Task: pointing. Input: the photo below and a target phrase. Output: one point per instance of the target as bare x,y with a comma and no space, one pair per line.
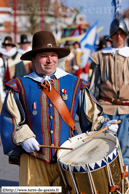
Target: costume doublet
31,106
110,85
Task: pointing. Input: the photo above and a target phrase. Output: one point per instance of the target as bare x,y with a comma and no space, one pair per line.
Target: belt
115,101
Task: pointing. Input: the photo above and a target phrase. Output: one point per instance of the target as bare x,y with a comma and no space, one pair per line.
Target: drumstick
56,147
100,131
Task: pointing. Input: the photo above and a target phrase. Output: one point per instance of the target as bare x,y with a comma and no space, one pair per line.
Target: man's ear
110,38
32,59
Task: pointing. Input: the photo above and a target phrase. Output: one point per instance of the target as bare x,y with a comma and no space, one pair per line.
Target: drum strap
60,105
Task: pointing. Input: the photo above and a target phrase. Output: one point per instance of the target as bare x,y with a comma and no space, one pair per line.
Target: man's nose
49,58
118,35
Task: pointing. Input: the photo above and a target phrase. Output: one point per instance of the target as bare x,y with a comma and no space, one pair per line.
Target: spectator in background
69,58
12,66
77,60
24,46
110,81
102,44
2,92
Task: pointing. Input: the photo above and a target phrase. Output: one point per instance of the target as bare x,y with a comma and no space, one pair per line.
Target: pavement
9,173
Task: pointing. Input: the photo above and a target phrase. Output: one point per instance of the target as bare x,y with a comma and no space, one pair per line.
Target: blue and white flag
88,43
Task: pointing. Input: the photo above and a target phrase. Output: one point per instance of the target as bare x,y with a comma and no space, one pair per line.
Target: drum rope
110,175
121,166
111,182
121,162
66,186
93,189
108,170
73,181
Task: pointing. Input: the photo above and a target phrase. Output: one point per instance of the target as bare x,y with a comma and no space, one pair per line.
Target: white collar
58,74
8,53
78,50
122,51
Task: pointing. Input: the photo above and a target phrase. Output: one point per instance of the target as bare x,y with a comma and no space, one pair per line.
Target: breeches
34,172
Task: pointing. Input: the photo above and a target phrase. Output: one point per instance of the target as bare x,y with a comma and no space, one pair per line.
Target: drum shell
100,178
100,174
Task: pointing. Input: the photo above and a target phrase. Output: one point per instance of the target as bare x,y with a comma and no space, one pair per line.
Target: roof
4,3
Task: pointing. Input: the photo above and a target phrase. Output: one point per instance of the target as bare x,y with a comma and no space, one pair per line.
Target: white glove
112,128
31,144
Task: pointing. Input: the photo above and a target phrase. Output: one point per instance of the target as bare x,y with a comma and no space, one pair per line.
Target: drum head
92,151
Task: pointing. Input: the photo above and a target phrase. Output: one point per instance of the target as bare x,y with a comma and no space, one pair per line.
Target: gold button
51,131
50,105
52,144
53,159
51,117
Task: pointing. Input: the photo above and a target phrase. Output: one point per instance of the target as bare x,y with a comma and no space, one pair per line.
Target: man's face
45,63
76,46
8,47
118,39
24,46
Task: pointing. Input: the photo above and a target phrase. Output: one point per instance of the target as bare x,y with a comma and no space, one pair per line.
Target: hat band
45,46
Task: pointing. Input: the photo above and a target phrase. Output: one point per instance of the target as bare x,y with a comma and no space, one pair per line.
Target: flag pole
15,22
41,15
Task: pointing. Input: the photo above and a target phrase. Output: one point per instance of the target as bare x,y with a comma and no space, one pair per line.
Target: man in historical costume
32,116
14,67
24,46
69,58
110,81
77,58
2,92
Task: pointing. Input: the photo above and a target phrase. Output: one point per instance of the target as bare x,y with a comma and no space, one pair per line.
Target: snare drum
94,166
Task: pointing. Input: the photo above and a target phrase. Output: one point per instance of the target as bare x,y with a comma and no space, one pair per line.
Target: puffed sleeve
91,116
13,127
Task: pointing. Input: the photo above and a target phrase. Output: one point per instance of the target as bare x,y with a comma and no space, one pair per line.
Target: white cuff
22,133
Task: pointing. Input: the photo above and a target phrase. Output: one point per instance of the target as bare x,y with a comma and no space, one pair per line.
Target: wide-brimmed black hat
44,41
24,39
8,41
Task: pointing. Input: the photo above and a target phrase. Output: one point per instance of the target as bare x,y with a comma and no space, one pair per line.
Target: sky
97,10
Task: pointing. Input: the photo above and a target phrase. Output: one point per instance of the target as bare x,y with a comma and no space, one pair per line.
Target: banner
88,42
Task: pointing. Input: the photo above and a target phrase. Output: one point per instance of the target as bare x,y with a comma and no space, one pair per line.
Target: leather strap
59,104
115,101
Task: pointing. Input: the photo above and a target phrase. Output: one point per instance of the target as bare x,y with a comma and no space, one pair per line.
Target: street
9,174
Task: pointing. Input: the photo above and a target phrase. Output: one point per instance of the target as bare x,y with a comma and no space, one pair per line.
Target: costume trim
73,101
74,96
14,128
12,84
45,125
84,84
94,99
57,122
19,83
